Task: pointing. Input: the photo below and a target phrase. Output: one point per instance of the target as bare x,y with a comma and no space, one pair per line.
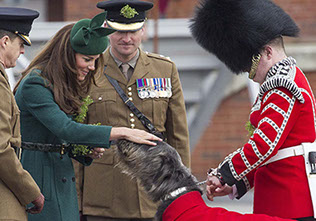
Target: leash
201,183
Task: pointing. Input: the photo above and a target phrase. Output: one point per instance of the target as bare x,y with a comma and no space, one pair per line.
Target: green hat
88,37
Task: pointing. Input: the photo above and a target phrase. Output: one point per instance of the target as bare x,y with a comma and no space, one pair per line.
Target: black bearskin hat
235,30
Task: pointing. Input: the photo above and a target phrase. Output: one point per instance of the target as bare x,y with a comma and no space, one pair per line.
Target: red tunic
284,116
191,207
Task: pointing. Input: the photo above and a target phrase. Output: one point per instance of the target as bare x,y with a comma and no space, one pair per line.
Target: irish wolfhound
159,170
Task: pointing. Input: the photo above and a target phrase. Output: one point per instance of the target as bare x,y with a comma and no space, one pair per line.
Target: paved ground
244,205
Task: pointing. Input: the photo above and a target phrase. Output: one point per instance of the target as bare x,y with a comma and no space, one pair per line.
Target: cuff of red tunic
226,174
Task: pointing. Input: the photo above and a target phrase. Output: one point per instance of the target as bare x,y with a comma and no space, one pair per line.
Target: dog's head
158,168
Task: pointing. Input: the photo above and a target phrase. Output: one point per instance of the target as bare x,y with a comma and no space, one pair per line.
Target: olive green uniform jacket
42,121
17,188
106,191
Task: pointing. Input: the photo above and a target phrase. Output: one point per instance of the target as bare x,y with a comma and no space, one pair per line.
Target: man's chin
11,66
127,52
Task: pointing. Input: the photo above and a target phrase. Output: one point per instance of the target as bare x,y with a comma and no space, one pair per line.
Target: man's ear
143,30
4,41
268,51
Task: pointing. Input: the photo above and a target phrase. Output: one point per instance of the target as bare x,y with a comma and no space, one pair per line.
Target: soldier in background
17,187
152,83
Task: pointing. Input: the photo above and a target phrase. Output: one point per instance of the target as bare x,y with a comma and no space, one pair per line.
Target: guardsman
152,83
247,35
17,187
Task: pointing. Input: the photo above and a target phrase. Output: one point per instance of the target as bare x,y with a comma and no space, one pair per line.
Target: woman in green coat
50,96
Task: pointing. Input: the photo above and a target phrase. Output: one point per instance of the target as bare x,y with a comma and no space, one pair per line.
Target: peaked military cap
125,15
236,30
88,37
18,21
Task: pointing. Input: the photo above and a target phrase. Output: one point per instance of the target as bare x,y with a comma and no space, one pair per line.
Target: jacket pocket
103,108
155,109
99,182
160,108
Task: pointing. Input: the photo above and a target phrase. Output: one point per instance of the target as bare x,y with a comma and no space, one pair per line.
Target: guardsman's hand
212,184
38,205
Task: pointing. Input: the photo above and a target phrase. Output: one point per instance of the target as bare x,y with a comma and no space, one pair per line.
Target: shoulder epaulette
159,56
282,74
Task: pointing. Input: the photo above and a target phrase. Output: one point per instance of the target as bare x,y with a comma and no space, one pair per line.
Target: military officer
17,187
152,83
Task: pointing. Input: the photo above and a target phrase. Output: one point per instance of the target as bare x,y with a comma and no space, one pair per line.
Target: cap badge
128,12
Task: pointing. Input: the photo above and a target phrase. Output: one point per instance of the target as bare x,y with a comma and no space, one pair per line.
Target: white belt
303,149
285,153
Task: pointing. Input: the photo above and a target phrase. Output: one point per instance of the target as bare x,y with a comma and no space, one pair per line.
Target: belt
285,153
61,148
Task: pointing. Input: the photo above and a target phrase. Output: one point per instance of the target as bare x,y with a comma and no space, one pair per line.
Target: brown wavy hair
58,66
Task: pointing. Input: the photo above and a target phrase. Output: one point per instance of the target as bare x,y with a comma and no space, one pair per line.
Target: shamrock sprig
250,128
128,12
83,109
79,149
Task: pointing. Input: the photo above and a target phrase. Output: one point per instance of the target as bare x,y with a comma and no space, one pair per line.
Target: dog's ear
166,167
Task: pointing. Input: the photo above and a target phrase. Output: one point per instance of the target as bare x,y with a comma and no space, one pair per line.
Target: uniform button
130,93
131,99
131,115
64,180
100,98
132,120
73,179
129,89
132,125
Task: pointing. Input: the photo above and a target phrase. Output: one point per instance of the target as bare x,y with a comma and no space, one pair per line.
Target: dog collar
174,193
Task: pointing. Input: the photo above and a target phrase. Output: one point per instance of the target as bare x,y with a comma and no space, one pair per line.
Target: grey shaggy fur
159,169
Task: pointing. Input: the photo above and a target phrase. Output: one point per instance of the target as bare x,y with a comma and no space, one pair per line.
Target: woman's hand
97,153
134,135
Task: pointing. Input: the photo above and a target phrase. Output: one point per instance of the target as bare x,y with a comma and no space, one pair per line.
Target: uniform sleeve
176,124
40,102
12,174
280,111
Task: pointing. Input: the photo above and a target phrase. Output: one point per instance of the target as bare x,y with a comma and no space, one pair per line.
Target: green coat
42,121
